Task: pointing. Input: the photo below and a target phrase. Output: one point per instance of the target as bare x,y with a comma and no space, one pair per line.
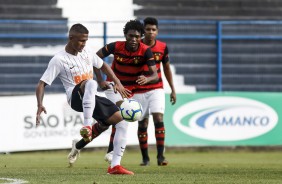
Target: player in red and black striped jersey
130,59
151,95
156,99
129,63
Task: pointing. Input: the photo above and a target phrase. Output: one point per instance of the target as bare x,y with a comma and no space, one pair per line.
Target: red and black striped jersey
128,65
160,52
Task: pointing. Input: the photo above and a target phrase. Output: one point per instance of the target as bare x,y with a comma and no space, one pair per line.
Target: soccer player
74,66
156,101
130,58
152,98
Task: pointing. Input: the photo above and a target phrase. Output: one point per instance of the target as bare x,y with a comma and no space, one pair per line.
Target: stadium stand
247,64
30,9
210,9
20,74
18,18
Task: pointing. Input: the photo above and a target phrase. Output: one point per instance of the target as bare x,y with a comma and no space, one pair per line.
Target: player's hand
142,80
40,109
104,85
173,98
125,93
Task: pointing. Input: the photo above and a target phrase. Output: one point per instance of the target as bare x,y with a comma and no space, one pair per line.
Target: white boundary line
13,181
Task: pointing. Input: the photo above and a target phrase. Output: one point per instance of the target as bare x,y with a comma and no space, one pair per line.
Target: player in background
153,99
130,58
157,98
74,66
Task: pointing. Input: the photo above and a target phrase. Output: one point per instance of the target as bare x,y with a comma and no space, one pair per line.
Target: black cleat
145,163
162,161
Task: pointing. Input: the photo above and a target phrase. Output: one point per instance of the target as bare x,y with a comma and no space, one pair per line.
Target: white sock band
88,101
119,142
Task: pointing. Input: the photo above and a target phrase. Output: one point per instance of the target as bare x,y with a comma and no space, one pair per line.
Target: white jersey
71,69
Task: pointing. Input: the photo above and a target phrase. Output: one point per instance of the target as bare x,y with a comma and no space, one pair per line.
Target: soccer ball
131,110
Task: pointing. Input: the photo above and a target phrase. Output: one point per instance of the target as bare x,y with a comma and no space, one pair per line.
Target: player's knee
122,125
91,85
102,126
157,117
115,118
144,123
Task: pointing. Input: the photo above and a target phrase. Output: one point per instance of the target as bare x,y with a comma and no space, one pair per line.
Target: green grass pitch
185,166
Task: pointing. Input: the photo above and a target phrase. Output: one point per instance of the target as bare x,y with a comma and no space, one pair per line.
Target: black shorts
104,108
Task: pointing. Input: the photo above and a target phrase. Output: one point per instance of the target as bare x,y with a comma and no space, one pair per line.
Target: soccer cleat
145,163
86,133
162,161
109,157
118,169
74,154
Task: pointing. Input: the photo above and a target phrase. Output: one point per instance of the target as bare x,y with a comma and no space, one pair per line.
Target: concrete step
27,42
28,2
30,10
252,59
207,58
197,79
34,28
207,11
24,60
24,69
252,87
46,16
191,48
209,17
235,68
210,3
27,88
259,79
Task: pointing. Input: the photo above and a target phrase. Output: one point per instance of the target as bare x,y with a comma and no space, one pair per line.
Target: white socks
119,142
88,101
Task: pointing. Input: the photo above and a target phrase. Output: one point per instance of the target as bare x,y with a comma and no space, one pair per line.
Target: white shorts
152,102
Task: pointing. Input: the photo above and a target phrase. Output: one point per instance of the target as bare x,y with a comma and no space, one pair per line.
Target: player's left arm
153,78
168,76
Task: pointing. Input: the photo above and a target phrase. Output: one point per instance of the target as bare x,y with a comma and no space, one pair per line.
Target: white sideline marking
13,181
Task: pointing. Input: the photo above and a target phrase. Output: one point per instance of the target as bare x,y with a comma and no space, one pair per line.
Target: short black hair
151,21
134,25
78,28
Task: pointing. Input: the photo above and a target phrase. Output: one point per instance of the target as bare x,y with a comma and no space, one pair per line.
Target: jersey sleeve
150,61
97,61
108,49
52,71
166,56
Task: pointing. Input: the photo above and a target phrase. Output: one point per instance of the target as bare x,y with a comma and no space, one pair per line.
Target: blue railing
219,37
105,34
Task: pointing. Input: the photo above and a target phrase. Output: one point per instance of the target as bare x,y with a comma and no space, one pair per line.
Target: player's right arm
153,77
47,78
39,95
102,53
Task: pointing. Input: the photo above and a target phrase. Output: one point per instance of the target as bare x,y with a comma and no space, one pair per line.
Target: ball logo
225,118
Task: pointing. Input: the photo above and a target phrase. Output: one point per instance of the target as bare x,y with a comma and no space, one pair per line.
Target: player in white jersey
127,50
74,66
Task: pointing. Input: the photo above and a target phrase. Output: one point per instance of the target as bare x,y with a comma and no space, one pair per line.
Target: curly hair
134,25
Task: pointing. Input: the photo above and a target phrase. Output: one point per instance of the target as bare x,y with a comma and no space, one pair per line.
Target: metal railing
106,32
